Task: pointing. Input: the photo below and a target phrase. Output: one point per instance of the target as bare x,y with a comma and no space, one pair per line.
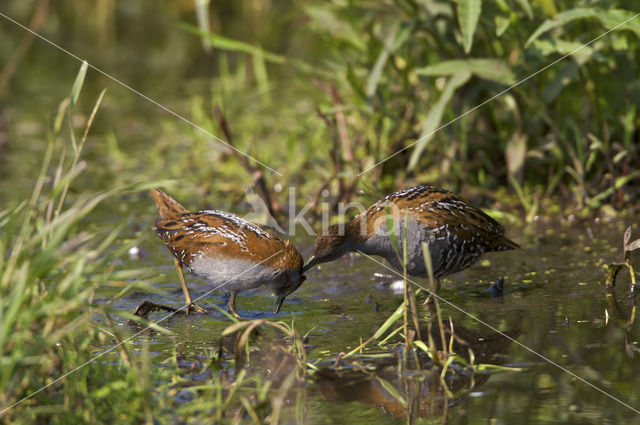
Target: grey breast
381,243
449,253
233,274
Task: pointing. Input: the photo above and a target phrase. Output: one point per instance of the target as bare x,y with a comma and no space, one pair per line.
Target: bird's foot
234,313
193,308
430,299
231,305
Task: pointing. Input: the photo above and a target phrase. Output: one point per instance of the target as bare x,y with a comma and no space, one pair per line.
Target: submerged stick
145,308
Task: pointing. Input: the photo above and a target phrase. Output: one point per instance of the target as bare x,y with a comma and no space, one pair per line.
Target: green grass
322,101
322,95
57,364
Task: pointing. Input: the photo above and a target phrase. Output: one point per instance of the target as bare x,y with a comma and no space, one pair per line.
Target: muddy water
571,363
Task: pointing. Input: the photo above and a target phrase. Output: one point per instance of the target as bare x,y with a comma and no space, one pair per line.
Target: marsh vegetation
455,94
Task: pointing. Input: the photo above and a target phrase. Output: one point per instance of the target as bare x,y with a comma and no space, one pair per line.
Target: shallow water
554,302
572,361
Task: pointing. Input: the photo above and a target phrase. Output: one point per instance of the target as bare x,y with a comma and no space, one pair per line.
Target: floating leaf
435,115
488,69
468,15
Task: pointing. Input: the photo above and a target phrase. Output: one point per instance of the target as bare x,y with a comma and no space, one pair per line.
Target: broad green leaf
564,76
524,4
488,69
435,115
468,15
402,36
610,19
559,20
614,17
336,26
578,51
393,41
502,24
548,7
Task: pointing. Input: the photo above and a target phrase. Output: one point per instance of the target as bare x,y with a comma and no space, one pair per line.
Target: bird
456,233
223,249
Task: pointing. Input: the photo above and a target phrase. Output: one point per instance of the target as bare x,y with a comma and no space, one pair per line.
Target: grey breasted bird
224,249
456,232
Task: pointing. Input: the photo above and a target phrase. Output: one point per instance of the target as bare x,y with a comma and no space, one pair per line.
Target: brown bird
457,233
224,249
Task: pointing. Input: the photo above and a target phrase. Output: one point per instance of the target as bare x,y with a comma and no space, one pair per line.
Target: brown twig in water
145,308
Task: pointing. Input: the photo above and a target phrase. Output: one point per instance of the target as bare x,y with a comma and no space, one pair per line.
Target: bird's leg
432,294
231,305
187,297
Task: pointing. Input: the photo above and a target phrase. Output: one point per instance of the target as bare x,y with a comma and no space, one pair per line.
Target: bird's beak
278,304
312,262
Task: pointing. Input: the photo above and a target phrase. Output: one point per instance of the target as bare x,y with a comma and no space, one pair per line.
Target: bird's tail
169,208
502,244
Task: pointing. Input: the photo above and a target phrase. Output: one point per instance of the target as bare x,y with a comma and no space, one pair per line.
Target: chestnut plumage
456,232
226,250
